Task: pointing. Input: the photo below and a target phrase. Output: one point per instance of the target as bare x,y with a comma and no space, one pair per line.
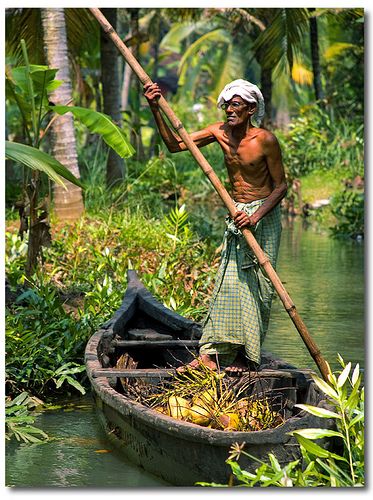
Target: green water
80,455
325,279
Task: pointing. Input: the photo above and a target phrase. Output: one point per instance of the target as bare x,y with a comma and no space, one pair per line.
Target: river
324,277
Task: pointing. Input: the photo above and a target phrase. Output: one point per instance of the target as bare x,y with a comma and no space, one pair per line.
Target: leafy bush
348,208
316,140
40,336
18,419
82,283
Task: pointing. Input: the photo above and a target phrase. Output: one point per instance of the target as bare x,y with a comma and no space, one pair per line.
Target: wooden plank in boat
155,343
169,372
147,334
136,373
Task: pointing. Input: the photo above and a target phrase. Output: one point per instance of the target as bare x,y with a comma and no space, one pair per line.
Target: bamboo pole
223,193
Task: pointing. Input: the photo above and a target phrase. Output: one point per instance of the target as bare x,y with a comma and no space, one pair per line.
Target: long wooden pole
224,195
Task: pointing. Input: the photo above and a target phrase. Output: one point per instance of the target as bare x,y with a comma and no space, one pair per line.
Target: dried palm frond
212,399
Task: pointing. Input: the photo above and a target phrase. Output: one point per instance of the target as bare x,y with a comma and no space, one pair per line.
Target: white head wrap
248,91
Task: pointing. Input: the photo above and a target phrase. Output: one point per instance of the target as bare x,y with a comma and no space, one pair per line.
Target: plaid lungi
240,306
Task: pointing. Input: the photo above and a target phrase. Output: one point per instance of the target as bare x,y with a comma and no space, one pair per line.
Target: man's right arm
173,142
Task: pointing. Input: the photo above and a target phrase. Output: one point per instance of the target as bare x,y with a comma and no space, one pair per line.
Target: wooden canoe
181,453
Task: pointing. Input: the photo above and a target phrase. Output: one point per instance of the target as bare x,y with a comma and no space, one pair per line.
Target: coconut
205,399
199,415
229,421
242,407
178,407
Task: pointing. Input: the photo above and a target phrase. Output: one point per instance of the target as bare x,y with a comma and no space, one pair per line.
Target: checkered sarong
239,311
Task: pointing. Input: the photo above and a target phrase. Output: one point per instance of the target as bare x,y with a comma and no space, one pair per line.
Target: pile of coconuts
205,397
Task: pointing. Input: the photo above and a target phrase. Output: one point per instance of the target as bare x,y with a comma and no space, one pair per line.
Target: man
237,320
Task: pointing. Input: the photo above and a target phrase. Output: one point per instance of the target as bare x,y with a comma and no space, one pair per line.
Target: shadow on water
325,279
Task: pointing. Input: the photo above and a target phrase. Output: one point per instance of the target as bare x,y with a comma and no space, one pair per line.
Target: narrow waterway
79,455
325,279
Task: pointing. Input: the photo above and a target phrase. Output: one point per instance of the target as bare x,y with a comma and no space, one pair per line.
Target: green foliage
178,32
18,419
282,37
346,468
343,64
177,226
342,467
212,54
325,153
49,324
182,279
40,336
38,160
28,87
316,141
348,208
99,123
152,184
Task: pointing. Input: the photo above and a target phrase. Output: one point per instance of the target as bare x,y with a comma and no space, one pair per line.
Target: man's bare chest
244,156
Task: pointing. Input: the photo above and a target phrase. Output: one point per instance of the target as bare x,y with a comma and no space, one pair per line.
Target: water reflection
79,456
325,279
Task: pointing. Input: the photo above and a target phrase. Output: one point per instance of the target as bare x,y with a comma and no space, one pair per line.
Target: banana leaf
38,160
178,32
215,52
43,79
99,123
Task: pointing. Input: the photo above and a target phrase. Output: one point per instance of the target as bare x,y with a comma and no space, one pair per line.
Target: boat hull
182,453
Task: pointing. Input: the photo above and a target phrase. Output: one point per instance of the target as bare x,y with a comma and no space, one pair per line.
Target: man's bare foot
204,359
238,366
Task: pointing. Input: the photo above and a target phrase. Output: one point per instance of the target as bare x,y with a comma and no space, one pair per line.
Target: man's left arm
272,152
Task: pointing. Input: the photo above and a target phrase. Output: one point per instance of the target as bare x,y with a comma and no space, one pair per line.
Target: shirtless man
237,323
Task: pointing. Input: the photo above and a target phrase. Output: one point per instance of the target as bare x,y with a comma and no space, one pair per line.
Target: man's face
238,111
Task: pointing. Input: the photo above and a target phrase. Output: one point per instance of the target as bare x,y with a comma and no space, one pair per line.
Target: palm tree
111,95
26,23
315,56
68,204
277,45
342,54
209,56
30,90
136,140
231,41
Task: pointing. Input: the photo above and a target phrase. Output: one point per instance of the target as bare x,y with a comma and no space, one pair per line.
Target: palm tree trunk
127,72
68,204
135,101
266,89
157,41
314,40
111,95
